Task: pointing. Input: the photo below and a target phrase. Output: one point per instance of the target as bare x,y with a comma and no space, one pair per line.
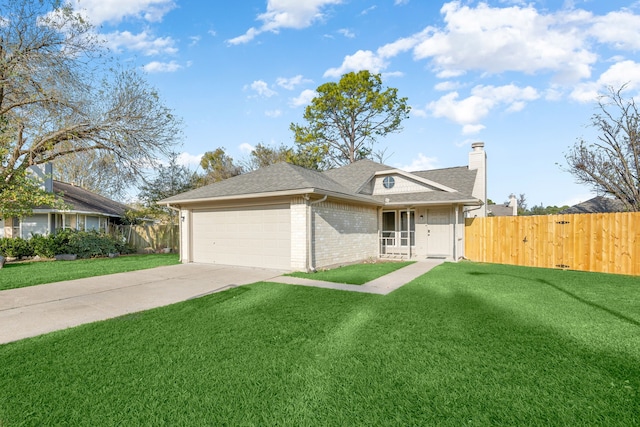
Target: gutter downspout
310,267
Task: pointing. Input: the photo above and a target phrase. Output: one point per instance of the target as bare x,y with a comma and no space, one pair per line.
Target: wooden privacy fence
608,243
153,238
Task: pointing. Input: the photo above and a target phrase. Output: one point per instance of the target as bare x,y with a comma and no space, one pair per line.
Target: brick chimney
478,161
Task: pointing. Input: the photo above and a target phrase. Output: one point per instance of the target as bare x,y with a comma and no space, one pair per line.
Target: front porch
421,232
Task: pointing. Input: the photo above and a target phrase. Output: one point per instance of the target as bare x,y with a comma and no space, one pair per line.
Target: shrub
16,247
85,244
43,246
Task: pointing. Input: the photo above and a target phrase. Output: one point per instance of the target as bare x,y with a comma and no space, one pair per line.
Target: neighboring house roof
598,204
81,200
353,181
500,210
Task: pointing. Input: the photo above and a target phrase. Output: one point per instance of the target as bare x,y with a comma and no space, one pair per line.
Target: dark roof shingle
83,200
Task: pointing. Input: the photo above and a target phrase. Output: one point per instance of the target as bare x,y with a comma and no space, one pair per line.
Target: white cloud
400,2
347,33
622,73
471,129
304,98
417,112
142,42
361,60
286,14
262,89
447,86
99,11
194,40
376,61
499,39
291,83
620,29
162,67
273,113
421,162
246,148
483,99
186,159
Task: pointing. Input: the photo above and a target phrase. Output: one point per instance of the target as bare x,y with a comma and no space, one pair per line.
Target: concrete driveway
35,310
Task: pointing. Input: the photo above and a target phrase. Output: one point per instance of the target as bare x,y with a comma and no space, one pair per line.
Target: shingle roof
459,178
598,204
83,200
500,210
349,181
274,178
354,175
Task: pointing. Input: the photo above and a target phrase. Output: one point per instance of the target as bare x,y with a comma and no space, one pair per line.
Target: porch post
455,236
409,229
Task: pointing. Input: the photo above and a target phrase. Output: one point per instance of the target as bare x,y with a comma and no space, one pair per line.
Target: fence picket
608,243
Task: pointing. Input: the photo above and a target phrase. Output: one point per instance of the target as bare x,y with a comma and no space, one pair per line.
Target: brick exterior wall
343,233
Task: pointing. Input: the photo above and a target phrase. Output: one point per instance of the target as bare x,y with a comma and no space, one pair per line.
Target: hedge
85,244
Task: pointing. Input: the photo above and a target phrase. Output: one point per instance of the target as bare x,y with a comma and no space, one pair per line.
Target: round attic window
388,182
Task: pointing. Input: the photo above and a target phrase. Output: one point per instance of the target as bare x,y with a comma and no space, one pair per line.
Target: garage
258,236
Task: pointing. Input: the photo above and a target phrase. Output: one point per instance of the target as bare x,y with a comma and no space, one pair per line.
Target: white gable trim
416,178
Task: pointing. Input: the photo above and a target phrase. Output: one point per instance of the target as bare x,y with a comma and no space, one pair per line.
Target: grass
465,344
355,274
19,275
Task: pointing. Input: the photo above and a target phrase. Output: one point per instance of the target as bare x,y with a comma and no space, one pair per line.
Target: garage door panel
257,236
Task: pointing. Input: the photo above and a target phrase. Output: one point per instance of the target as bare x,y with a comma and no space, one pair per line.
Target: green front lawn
19,275
355,274
465,344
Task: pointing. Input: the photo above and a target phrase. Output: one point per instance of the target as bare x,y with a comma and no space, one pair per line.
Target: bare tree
62,94
611,164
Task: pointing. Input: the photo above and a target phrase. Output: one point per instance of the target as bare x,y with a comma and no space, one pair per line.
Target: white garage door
253,237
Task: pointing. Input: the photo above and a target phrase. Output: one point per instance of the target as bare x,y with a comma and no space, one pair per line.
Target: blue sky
522,76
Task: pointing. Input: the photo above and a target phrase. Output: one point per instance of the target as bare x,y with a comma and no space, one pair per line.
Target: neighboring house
598,204
86,211
287,217
507,209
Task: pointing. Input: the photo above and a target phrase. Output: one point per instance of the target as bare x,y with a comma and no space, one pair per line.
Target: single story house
506,209
288,217
86,211
598,204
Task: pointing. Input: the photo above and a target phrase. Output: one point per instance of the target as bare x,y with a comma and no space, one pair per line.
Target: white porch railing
397,243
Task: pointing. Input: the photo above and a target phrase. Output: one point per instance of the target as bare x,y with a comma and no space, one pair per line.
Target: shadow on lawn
578,298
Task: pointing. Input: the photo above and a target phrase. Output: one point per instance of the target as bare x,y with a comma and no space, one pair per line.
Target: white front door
439,232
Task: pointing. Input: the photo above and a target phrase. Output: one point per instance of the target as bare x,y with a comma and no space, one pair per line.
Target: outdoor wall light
182,218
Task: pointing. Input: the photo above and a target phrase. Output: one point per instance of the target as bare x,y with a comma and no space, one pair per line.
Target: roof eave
466,202
284,193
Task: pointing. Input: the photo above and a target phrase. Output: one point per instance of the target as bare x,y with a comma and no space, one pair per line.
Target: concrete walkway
35,310
382,285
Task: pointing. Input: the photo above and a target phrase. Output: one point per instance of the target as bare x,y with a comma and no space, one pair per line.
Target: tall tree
218,165
346,119
263,155
61,93
611,163
168,181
